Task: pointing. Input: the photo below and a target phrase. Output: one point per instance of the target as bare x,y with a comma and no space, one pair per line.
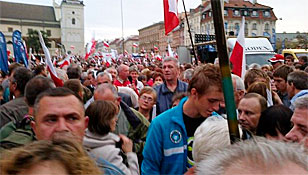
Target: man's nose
291,135
62,125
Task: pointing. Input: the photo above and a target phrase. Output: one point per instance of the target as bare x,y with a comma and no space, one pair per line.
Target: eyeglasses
149,99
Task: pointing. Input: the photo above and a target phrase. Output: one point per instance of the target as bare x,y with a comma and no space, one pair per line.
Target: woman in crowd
262,89
158,78
147,100
101,142
275,122
61,157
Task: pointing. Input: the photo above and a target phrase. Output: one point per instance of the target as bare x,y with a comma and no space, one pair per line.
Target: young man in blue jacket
170,136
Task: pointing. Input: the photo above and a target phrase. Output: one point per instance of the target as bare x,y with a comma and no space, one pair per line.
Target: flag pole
122,27
225,70
190,36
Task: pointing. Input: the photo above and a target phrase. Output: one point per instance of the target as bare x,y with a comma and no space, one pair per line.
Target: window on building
237,27
73,12
266,14
245,13
74,21
254,26
48,32
236,13
254,13
210,14
246,28
226,12
10,29
266,28
30,30
203,15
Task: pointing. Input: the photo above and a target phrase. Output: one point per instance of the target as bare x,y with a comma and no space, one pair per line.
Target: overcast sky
103,17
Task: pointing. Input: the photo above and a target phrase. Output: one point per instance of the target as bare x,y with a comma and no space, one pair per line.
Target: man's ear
193,92
86,122
33,126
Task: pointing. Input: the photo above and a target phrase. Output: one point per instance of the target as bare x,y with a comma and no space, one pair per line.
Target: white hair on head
239,82
258,152
301,102
213,133
101,74
177,63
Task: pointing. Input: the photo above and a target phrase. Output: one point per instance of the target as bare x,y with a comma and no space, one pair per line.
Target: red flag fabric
170,15
237,57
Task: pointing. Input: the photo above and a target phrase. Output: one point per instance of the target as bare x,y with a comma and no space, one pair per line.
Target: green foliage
34,42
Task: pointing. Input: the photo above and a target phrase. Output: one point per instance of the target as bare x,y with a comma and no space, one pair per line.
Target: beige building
63,23
260,19
150,36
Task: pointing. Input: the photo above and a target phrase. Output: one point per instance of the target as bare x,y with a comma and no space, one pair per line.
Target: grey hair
301,102
177,63
102,89
107,70
239,82
299,79
213,133
188,74
101,74
254,66
262,153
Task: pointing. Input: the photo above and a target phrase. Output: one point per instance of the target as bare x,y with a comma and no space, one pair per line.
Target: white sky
103,17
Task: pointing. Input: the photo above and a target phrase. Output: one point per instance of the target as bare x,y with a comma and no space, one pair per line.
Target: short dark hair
21,76
283,71
73,85
73,71
55,92
100,114
251,76
299,79
304,58
275,118
38,69
205,76
35,86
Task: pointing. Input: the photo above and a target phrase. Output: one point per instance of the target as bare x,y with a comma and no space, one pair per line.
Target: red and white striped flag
106,44
155,48
237,57
65,62
58,82
170,15
135,45
91,49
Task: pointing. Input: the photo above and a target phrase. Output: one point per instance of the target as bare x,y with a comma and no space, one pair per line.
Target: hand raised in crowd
127,144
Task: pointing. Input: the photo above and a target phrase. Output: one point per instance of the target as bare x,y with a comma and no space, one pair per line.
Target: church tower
72,26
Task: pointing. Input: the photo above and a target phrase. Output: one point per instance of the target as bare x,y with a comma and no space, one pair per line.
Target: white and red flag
91,49
58,82
65,62
237,57
155,48
135,45
170,53
170,15
106,44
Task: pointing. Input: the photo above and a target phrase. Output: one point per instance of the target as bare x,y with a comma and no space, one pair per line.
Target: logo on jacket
175,136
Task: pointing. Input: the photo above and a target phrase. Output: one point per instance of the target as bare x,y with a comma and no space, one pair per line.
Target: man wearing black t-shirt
170,136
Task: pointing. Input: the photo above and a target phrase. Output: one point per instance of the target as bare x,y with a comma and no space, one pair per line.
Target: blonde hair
67,152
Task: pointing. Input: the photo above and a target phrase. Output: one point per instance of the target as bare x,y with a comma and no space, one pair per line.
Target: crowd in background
153,117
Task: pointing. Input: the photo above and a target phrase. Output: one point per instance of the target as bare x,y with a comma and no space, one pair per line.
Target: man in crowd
297,86
60,113
16,109
123,73
299,132
170,134
249,111
113,73
277,61
165,91
280,79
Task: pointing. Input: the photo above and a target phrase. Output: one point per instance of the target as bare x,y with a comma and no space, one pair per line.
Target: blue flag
19,48
3,55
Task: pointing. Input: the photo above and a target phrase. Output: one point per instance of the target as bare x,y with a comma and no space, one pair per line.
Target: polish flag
135,45
65,62
155,48
91,49
58,82
170,53
237,57
171,15
106,44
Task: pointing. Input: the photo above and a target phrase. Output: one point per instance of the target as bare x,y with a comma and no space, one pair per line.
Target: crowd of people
153,117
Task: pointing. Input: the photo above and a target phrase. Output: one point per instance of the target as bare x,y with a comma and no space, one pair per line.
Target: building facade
63,23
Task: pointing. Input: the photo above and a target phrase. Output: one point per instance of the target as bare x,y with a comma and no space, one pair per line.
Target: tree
34,43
